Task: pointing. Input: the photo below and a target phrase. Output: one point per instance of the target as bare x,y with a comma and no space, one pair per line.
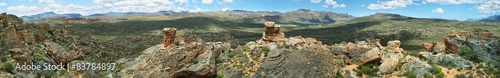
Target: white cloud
102,6
393,4
197,9
333,4
224,9
454,1
207,1
438,10
227,1
489,7
315,1
47,1
23,8
3,4
182,1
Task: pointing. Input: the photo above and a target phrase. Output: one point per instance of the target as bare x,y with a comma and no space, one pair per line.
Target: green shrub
410,74
218,60
339,75
4,53
231,53
265,49
440,75
195,61
38,56
47,73
368,69
427,75
62,72
399,65
247,46
466,53
459,69
104,73
8,67
435,69
365,70
218,75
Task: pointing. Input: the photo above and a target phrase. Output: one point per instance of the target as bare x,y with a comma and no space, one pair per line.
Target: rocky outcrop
304,58
414,64
60,54
185,58
272,32
449,60
434,47
359,53
480,41
454,40
389,62
168,36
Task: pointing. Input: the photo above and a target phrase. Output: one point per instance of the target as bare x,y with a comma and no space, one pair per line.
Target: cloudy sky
446,9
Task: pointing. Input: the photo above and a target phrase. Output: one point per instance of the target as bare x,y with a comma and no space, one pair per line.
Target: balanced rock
272,32
168,36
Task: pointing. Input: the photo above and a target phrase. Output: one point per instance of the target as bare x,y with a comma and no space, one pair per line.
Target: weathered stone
272,32
434,47
480,41
168,36
428,47
350,46
389,62
414,64
449,60
393,46
453,40
60,54
39,38
15,53
481,34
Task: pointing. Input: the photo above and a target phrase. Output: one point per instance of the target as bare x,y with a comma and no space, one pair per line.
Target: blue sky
446,9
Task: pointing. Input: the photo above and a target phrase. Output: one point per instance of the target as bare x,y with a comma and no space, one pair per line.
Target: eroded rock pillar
168,36
272,32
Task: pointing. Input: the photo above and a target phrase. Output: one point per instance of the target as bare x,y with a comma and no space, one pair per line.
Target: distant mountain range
51,15
494,18
297,16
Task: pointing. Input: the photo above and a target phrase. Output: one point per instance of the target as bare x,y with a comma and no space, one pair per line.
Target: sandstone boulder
272,32
389,62
393,46
168,36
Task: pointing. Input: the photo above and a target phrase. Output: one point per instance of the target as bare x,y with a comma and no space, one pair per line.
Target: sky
445,9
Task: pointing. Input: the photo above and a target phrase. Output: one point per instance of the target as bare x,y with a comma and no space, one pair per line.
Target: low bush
410,74
466,53
195,61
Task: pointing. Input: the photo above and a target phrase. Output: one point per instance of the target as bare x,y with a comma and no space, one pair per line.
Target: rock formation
434,47
168,36
272,32
454,40
393,46
191,57
480,41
